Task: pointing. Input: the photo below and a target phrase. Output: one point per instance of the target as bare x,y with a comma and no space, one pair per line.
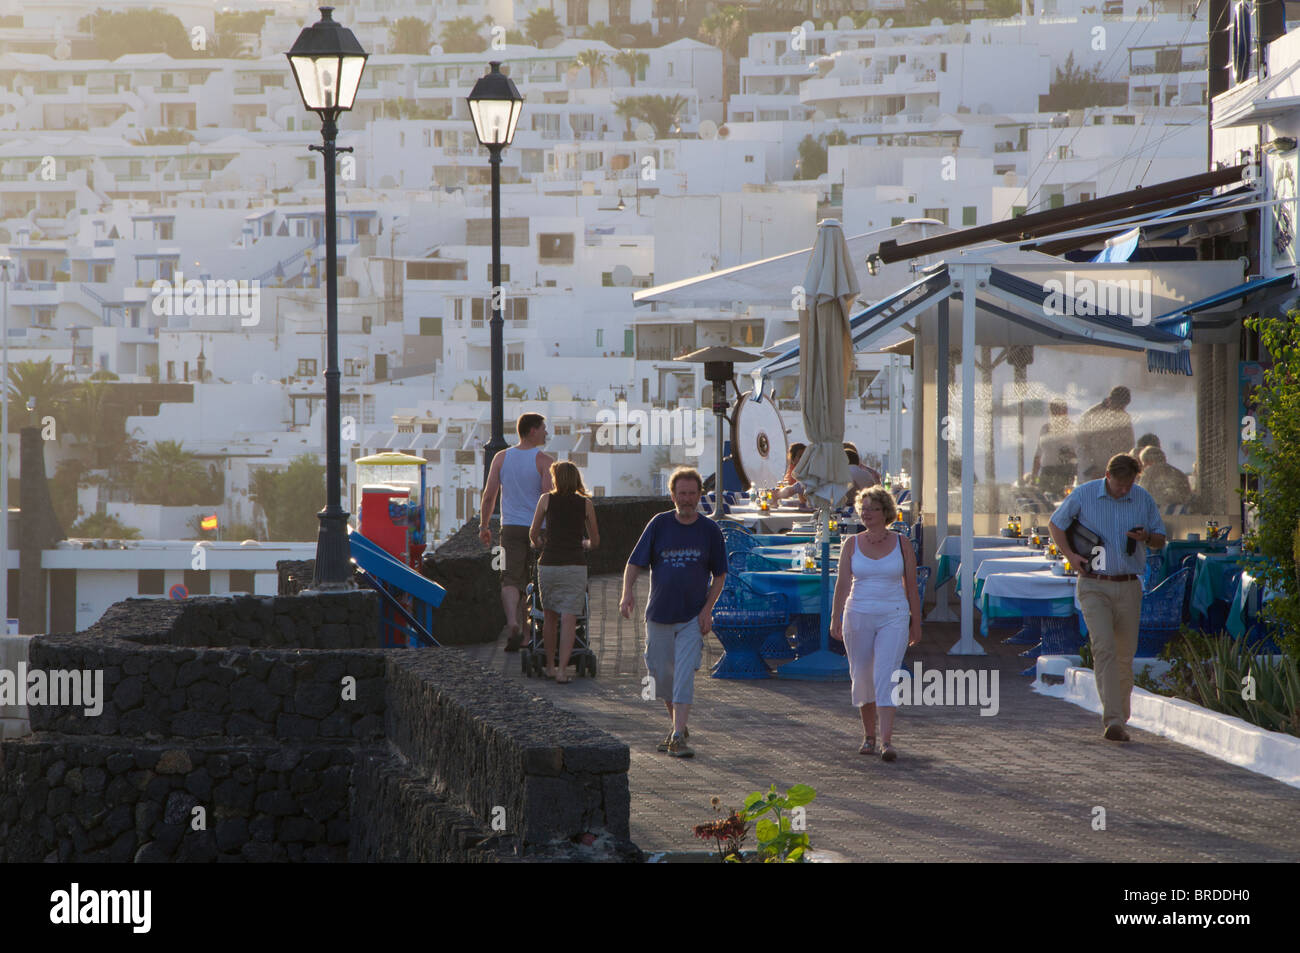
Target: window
600,339
968,215
241,580
1056,201
555,249
350,368
429,428
748,158
940,214
198,582
36,270
165,231
1062,152
896,220
368,410
606,279
467,458
477,308
306,367
515,361
149,582
516,309
1017,211
505,272
171,370
431,327
1123,121
435,270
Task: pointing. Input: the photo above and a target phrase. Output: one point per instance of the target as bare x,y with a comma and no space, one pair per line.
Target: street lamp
327,62
494,105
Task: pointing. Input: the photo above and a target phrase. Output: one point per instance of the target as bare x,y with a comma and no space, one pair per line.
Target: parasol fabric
826,339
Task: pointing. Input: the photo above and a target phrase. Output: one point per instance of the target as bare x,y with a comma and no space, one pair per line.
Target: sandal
562,678
868,746
887,753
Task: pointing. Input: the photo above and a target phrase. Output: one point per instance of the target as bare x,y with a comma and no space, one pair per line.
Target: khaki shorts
564,589
518,557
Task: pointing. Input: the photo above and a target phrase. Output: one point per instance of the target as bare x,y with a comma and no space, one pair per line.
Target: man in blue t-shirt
687,558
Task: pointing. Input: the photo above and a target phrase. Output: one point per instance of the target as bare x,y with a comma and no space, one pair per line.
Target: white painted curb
1274,754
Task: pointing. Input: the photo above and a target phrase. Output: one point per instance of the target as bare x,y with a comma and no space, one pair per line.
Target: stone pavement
1018,786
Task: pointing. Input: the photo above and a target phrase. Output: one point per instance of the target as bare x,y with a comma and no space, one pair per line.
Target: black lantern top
494,105
327,61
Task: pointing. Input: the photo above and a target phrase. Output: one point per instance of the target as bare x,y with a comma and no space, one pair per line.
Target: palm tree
631,62
541,25
410,35
662,112
171,475
461,35
91,416
41,384
603,32
722,29
593,61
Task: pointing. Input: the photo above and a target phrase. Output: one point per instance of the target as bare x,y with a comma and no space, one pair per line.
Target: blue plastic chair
1155,563
736,538
1162,613
922,580
743,619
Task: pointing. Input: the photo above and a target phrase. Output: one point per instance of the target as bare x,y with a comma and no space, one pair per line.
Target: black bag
1081,539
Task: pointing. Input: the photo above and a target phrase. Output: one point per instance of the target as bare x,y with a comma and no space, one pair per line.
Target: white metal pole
942,611
4,448
971,275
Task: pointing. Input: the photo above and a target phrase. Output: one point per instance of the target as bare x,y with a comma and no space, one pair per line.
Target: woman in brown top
562,567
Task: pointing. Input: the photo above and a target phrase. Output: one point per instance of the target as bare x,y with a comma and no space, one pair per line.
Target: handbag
1081,539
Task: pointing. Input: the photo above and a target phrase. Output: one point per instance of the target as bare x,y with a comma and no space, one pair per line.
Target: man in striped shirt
1110,577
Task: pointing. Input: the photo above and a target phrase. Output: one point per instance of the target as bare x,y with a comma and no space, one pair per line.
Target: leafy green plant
1226,675
1085,654
779,841
101,526
1275,462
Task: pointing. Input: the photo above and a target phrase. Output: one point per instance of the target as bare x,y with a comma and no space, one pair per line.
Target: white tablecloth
999,566
1029,585
951,545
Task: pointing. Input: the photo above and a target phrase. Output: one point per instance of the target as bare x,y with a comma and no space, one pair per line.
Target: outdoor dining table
1247,596
1213,579
950,554
803,592
1018,595
1177,549
997,566
775,520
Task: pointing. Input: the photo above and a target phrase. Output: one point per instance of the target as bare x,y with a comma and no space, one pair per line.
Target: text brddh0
657,428
194,297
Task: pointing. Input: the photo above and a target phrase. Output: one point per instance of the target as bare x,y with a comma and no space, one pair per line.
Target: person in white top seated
876,614
790,485
863,476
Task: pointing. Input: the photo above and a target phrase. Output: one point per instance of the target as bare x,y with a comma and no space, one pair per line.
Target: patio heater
327,62
719,368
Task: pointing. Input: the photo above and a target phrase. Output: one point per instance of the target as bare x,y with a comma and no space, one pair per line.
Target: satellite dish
844,23
436,50
464,392
808,26
621,276
1175,100
645,132
1009,179
560,392
873,24
708,129
723,132
936,21
249,544
889,23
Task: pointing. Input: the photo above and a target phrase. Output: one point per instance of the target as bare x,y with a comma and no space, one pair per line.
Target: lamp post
5,261
327,62
494,105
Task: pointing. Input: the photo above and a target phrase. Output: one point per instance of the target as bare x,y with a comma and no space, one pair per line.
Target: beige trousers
1112,611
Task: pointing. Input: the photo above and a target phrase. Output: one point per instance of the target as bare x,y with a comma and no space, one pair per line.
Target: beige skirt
564,589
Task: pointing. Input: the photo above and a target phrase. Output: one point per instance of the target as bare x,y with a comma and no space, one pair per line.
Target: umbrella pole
822,665
969,274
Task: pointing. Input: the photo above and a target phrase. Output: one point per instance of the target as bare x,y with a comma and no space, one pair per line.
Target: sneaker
678,748
663,745
1116,733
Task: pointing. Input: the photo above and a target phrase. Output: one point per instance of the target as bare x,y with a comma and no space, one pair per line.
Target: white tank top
877,583
521,486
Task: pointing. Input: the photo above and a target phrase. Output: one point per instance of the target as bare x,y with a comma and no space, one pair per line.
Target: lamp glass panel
350,79
492,120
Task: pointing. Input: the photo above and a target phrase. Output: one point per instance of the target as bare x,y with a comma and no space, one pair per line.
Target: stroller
532,658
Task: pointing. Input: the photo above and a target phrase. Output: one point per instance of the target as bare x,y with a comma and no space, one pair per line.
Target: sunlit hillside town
164,219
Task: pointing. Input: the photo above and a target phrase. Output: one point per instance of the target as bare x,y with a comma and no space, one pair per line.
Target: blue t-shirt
682,559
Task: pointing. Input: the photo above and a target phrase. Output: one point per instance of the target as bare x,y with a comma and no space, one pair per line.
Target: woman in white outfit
877,613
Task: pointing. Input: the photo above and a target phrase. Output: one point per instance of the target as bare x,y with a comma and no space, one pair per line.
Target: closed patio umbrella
826,348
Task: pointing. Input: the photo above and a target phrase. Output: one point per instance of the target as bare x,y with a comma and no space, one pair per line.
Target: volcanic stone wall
260,728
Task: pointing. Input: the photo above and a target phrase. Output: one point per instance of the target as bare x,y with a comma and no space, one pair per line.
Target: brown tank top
566,517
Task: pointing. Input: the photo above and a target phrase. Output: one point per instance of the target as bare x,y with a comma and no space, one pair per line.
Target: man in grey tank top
521,474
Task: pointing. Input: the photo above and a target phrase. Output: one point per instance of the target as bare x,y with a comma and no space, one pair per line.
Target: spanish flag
209,522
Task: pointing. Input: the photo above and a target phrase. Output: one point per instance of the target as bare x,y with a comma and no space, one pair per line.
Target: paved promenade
1018,786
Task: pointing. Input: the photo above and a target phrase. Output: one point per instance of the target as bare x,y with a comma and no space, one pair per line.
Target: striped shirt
1111,519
